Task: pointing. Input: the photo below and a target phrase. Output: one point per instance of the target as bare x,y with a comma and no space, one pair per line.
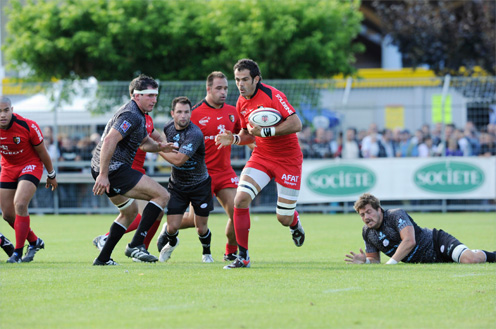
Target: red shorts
222,180
10,175
287,173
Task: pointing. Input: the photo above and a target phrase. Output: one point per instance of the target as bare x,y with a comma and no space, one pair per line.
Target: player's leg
188,219
158,197
252,181
451,249
127,212
202,204
287,214
205,237
477,256
226,200
169,234
25,191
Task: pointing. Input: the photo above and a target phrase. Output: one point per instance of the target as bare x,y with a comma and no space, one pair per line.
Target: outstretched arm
363,258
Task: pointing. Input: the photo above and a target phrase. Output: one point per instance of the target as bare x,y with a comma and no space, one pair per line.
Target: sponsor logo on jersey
176,138
341,180
125,126
449,177
218,118
2,138
231,117
283,103
203,121
38,132
116,190
221,128
17,139
188,147
385,243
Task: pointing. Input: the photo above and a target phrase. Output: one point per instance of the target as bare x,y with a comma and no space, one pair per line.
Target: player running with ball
277,155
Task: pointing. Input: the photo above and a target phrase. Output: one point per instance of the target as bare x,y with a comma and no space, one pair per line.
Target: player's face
146,102
217,93
5,115
181,115
246,85
371,217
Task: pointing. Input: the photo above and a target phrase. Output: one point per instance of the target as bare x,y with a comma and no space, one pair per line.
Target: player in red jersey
277,155
138,164
214,117
23,156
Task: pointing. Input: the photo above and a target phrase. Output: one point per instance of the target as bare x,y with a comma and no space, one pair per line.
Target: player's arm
227,138
47,161
407,244
363,258
290,125
177,159
150,145
156,136
109,145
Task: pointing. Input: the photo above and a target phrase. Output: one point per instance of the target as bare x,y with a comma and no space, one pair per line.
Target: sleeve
402,220
192,142
126,123
280,103
35,135
368,246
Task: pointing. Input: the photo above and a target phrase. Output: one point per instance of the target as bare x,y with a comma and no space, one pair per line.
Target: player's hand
102,185
167,147
254,129
353,258
225,139
51,182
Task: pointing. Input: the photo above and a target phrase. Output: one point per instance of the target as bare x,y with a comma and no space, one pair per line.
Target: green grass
287,287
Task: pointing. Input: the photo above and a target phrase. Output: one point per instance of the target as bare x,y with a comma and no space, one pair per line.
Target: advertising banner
398,179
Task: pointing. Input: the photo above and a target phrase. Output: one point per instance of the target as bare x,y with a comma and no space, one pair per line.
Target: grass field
286,287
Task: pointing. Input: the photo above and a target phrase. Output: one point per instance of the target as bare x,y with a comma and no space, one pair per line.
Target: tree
180,40
450,36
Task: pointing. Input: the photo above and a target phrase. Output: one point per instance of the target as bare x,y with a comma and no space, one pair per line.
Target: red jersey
139,158
274,147
17,142
212,122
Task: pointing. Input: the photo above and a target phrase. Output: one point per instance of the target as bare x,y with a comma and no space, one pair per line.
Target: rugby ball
265,117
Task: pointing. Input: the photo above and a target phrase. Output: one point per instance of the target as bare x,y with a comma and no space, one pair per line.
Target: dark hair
181,100
366,199
248,64
142,82
214,75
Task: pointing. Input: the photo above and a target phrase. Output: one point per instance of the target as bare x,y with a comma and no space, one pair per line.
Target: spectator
350,148
69,153
426,148
50,144
487,145
453,149
463,142
387,147
402,150
305,139
321,145
370,146
472,136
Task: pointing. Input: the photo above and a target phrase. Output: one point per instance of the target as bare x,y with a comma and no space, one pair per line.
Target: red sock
242,226
231,249
21,227
151,232
134,225
31,236
295,218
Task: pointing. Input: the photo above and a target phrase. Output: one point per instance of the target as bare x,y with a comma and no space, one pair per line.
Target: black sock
172,238
149,216
243,252
490,256
205,241
115,234
19,251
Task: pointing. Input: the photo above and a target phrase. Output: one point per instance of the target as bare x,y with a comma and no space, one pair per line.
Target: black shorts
444,244
200,197
121,180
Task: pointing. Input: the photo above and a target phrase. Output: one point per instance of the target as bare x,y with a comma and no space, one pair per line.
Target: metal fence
77,110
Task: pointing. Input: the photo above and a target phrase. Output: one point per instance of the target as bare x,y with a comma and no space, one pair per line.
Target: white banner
398,179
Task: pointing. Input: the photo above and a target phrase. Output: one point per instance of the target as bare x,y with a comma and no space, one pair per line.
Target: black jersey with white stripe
387,237
190,142
130,122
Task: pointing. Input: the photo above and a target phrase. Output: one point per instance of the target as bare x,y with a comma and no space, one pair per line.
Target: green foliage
180,40
450,36
286,287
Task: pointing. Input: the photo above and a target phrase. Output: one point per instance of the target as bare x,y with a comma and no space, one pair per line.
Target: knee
285,220
242,200
21,207
473,256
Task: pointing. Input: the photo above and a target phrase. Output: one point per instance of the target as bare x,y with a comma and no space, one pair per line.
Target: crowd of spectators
389,143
